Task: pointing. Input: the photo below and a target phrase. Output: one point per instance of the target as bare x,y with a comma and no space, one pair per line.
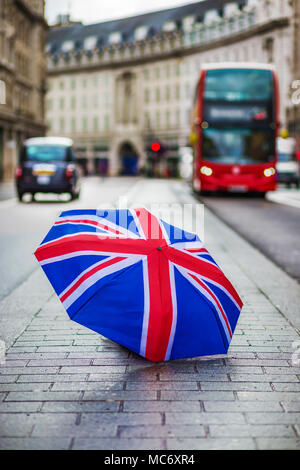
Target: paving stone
113,394
211,444
118,444
63,386
35,443
163,406
249,430
43,396
81,407
204,418
195,430
278,443
199,395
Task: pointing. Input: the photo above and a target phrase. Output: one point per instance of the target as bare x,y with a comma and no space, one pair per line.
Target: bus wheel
205,193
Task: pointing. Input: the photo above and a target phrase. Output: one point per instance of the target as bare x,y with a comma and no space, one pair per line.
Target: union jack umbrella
140,282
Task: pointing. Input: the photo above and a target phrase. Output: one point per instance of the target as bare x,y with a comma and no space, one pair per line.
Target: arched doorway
128,160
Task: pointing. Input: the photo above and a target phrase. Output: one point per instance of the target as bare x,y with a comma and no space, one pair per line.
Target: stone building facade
23,70
116,87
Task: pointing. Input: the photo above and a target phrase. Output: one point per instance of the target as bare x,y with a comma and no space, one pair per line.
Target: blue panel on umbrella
176,234
67,229
229,305
63,273
115,309
197,330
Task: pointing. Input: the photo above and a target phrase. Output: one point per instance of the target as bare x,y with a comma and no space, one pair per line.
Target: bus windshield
235,146
45,153
238,85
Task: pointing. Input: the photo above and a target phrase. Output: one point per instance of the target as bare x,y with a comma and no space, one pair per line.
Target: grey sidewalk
64,387
7,190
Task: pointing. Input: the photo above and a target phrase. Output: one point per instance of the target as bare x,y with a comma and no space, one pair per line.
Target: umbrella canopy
140,282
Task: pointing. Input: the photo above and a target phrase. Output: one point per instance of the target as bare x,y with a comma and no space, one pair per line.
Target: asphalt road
24,225
272,228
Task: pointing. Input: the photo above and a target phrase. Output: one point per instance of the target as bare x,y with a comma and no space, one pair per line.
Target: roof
126,26
49,141
239,65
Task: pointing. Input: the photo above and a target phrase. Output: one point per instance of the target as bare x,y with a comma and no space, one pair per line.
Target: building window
188,22
157,95
157,119
61,85
169,26
73,124
67,46
168,118
177,91
73,102
147,95
61,103
106,122
96,123
115,37
140,33
211,16
147,120
62,125
84,124
90,43
188,117
84,102
73,83
167,93
187,90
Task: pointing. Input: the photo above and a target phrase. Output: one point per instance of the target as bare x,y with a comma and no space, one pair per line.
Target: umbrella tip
159,248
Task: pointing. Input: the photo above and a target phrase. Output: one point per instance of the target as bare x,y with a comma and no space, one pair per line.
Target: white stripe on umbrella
174,304
209,297
90,281
75,219
146,308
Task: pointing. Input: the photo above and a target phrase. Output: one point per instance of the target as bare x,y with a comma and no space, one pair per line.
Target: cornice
159,48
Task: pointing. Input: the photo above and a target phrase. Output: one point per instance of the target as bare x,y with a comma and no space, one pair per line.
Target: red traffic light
155,147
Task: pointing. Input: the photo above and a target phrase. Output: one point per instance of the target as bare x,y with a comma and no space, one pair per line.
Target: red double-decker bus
234,129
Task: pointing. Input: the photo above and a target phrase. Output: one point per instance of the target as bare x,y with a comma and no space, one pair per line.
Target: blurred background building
23,70
119,86
116,87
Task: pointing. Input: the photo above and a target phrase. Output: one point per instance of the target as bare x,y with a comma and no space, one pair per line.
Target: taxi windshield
45,153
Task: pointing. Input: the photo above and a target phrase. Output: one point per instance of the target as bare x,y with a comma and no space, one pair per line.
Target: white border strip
174,313
145,326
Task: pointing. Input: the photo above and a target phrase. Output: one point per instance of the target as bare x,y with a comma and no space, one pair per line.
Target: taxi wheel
20,196
74,195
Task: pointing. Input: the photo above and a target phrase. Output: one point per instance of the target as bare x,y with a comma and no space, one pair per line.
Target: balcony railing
202,34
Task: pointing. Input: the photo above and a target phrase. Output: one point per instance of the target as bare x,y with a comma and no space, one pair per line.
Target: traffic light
155,147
